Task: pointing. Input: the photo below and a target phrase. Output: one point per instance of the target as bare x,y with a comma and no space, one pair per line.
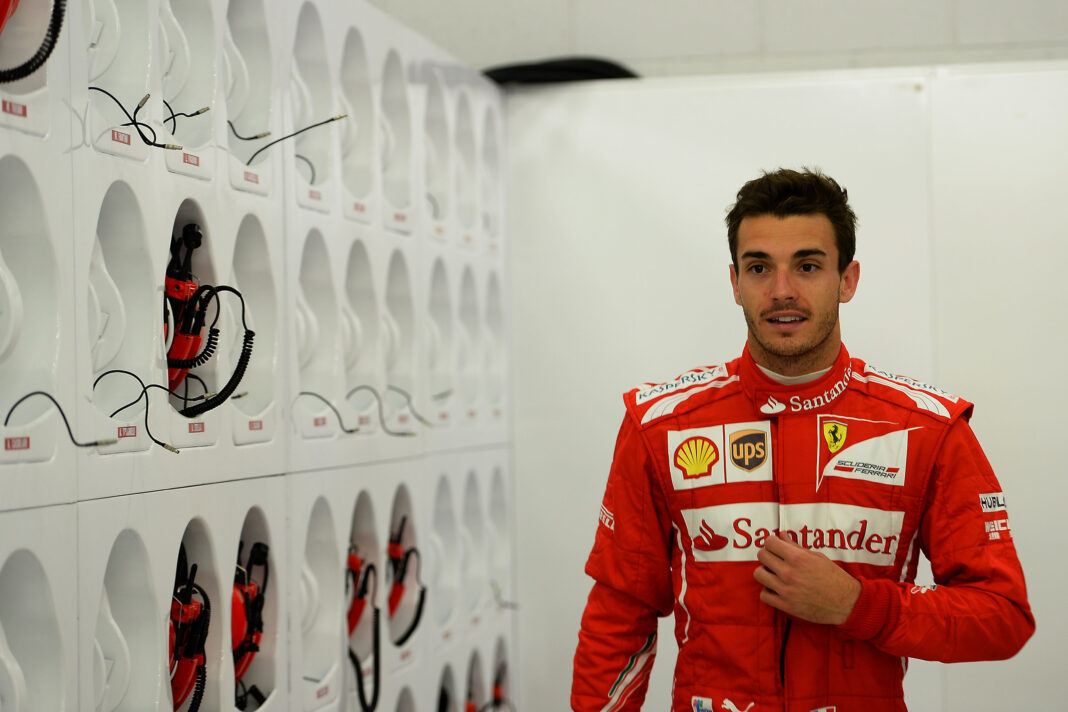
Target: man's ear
847,285
734,286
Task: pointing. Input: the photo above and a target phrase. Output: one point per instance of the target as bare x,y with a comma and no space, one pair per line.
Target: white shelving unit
349,282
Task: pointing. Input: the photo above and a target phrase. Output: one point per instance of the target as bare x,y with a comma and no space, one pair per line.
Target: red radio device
188,305
246,621
358,575
188,632
399,558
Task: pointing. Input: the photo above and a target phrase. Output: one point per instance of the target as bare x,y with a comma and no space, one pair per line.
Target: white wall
674,37
619,270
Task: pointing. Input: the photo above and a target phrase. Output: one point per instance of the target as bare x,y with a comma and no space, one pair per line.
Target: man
778,503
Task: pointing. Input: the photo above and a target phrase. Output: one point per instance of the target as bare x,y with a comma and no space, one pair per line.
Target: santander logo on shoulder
772,406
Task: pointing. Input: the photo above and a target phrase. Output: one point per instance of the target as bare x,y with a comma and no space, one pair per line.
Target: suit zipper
779,477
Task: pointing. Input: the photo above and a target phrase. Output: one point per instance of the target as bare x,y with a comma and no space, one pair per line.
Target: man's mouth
786,318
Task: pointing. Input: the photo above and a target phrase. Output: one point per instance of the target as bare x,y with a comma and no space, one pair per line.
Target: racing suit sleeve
978,609
631,567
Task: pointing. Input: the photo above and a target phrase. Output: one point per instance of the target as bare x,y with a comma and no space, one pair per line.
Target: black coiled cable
198,688
210,344
51,38
231,385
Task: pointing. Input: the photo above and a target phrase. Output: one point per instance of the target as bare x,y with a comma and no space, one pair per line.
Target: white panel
836,25
482,32
993,22
1000,237
636,28
619,274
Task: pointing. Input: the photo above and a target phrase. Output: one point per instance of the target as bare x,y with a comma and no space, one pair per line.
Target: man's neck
793,380
819,358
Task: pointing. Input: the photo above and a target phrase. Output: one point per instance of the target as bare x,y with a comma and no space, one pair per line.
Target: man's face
788,285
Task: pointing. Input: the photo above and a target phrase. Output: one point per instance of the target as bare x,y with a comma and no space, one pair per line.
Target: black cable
365,705
330,405
233,130
130,119
381,412
95,443
231,290
411,406
173,118
138,124
311,166
51,38
295,133
501,603
199,380
142,394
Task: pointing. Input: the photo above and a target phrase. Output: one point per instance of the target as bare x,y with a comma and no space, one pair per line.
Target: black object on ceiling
564,69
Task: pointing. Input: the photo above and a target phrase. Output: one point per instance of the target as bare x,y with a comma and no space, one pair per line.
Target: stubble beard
790,355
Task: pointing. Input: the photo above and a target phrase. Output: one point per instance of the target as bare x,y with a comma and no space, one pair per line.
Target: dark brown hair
806,192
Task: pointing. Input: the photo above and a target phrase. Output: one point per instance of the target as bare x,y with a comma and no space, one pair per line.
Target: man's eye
809,267
757,269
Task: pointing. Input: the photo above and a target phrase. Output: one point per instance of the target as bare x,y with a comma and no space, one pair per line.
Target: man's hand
805,584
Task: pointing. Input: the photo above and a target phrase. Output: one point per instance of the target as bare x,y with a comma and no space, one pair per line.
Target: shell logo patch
834,433
695,457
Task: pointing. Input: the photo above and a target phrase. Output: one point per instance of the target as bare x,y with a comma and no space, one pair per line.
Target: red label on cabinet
14,109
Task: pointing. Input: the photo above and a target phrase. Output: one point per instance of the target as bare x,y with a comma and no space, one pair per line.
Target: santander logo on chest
843,532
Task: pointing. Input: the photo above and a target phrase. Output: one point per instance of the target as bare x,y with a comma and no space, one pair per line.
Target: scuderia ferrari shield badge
835,435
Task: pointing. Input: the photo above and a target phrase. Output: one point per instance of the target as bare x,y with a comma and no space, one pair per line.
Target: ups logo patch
749,449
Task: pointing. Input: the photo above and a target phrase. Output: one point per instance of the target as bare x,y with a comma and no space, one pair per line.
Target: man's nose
782,286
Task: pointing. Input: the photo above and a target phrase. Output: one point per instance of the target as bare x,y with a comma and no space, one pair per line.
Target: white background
675,37
618,258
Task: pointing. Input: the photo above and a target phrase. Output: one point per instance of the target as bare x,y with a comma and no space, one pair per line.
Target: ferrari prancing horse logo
835,435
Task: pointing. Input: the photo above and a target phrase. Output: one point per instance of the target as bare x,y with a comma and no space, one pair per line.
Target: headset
185,314
246,622
190,617
358,575
399,558
498,701
55,24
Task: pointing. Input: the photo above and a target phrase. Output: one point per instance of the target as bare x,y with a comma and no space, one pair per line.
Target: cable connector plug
173,147
171,448
105,442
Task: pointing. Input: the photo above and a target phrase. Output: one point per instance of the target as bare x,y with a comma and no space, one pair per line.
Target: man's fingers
780,547
771,561
767,579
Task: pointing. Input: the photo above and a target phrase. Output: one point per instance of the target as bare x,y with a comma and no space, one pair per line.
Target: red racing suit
864,466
